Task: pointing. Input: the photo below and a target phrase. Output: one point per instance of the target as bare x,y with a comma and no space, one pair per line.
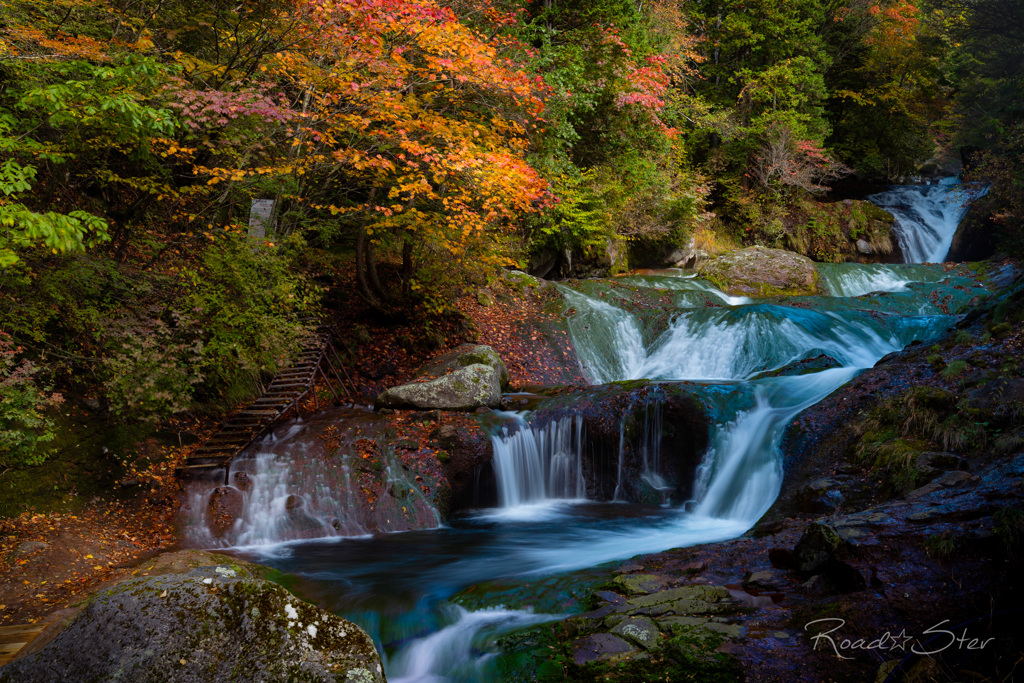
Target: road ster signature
932,640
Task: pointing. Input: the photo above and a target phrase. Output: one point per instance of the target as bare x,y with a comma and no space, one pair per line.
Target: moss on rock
762,272
194,618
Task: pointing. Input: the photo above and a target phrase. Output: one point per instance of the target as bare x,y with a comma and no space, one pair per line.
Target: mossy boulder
853,230
805,366
201,617
466,378
762,272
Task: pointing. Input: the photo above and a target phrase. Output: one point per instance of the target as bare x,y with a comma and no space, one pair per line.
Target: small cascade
536,465
463,649
859,279
287,490
927,216
650,449
404,586
617,496
615,345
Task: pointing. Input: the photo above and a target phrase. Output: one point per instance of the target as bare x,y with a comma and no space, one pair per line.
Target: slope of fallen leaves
524,325
51,561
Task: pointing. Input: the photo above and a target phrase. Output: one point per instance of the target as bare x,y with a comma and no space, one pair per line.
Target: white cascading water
462,649
288,494
534,466
927,216
721,347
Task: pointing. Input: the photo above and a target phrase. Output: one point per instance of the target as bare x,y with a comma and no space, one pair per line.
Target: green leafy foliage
24,423
22,228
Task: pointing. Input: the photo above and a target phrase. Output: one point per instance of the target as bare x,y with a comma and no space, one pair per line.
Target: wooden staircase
14,638
285,393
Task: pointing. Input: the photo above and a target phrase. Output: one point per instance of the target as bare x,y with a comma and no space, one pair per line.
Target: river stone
684,600
216,622
818,545
640,630
760,272
641,584
467,378
766,579
463,356
589,621
802,367
485,298
693,625
818,496
223,509
468,388
978,233
598,647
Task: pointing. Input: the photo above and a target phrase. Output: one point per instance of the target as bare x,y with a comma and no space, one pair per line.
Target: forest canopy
417,145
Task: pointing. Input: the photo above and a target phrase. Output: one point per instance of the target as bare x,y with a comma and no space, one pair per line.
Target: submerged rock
467,378
762,272
209,619
223,510
804,366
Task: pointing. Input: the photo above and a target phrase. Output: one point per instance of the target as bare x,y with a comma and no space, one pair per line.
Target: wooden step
228,439
213,454
290,386
211,461
20,632
191,470
14,638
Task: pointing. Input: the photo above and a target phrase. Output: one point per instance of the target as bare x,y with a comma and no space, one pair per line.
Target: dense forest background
413,147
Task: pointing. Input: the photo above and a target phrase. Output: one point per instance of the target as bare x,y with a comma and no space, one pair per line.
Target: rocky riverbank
891,554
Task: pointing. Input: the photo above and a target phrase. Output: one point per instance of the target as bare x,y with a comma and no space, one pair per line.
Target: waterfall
539,465
615,346
401,587
850,280
286,490
927,216
617,496
741,472
650,449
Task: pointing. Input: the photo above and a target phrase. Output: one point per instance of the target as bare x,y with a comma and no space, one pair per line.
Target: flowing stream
409,590
927,216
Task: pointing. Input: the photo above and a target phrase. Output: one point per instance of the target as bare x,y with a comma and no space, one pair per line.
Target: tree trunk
371,270
407,266
364,288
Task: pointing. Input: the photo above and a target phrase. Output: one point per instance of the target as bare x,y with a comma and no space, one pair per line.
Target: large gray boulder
761,272
978,234
466,378
210,618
